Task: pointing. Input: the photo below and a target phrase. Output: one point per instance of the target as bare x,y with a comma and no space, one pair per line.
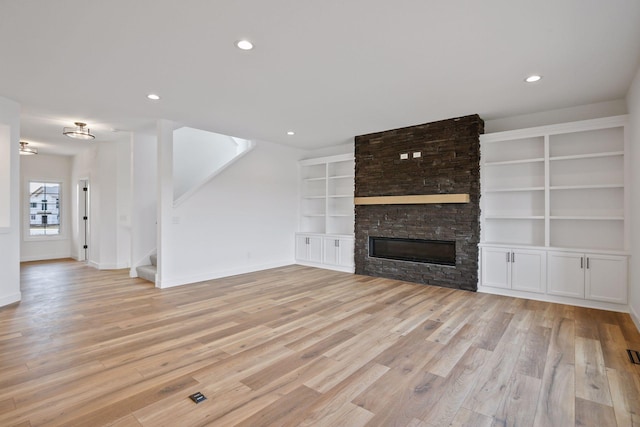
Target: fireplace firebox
441,252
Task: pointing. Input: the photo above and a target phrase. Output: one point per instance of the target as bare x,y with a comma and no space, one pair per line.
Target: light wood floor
302,346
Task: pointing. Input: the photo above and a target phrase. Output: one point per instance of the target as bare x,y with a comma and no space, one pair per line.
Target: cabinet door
528,270
301,248
606,278
496,268
346,252
565,274
331,250
315,249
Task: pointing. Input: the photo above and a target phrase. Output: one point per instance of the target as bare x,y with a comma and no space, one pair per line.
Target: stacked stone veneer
449,164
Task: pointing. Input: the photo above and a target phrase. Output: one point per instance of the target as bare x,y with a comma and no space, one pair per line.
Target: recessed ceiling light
244,45
153,96
291,132
533,78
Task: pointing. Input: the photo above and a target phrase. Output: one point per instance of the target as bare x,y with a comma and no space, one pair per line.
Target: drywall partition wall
46,168
198,155
104,199
633,102
99,164
144,198
123,203
9,199
241,221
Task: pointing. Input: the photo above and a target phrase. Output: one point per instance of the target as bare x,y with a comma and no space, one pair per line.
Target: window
44,215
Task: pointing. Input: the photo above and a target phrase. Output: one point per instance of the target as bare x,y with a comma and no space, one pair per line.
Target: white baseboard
10,299
186,280
623,308
351,269
44,257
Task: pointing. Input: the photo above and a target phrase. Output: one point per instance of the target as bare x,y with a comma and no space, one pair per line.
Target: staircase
148,272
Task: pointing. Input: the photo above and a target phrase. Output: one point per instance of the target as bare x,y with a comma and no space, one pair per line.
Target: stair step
147,272
154,259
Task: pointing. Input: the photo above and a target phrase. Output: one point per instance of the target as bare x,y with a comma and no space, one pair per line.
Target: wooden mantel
413,200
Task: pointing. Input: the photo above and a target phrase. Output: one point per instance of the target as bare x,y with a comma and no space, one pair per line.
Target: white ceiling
327,69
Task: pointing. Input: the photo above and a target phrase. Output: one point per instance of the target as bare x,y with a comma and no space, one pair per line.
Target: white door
565,274
528,269
606,278
496,269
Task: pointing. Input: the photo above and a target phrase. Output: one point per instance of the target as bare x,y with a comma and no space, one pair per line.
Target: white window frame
27,210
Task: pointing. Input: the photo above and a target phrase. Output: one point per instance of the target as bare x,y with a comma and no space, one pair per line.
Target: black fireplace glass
416,250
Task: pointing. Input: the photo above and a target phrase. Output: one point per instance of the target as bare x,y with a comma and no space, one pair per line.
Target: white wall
332,151
43,167
196,155
123,203
144,198
10,201
105,165
563,115
243,220
633,102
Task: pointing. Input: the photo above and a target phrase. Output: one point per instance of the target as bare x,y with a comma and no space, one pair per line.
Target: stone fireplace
417,203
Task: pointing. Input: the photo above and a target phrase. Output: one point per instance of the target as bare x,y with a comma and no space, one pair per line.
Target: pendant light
27,151
79,132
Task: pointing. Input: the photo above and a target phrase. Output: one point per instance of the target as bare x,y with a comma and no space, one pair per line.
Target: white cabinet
565,274
334,252
606,278
338,251
309,248
561,190
596,277
514,268
325,230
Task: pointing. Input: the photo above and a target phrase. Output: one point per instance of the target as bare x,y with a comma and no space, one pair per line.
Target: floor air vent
634,356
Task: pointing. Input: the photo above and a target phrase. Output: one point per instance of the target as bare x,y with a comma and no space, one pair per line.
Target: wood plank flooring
298,346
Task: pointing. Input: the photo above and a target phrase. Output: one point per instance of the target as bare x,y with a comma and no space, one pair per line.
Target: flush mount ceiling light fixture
244,45
533,78
27,151
291,133
153,97
79,132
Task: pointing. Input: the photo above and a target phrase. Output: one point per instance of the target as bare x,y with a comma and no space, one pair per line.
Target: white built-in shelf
512,190
557,186
588,156
587,218
514,162
585,187
326,195
514,217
